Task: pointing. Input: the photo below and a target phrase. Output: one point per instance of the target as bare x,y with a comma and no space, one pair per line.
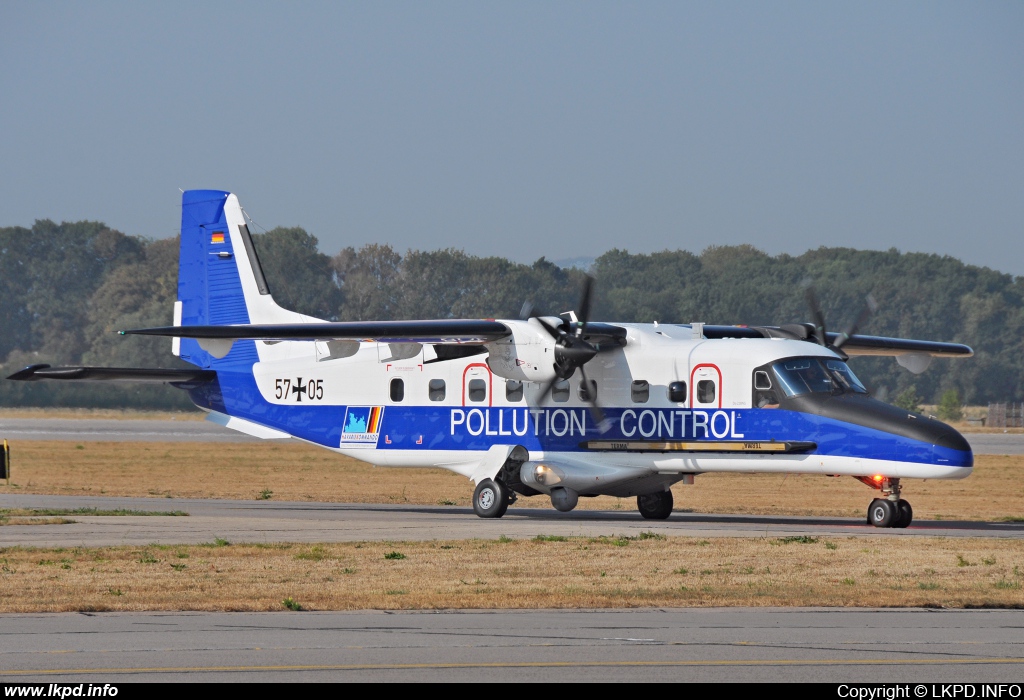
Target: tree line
66,289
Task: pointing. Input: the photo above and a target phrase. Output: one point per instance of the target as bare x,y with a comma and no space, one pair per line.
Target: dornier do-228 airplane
554,405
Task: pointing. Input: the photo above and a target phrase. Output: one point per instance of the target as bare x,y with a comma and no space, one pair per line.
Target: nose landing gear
891,510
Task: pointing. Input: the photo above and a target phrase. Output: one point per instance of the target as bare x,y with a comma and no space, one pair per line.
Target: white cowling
527,355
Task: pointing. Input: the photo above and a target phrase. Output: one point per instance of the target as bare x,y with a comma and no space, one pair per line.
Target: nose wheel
891,511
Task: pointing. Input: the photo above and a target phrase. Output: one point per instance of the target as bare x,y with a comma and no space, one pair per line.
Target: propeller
870,307
820,332
816,314
572,349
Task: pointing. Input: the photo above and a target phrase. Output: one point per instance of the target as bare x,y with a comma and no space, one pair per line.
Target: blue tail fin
220,281
209,285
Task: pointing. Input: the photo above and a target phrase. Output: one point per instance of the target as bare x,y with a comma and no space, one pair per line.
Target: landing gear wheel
906,514
882,513
490,499
870,506
655,506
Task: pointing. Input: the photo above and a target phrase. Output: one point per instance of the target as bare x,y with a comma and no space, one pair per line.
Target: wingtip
28,374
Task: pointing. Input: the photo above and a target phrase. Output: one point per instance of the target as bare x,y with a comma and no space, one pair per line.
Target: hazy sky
525,129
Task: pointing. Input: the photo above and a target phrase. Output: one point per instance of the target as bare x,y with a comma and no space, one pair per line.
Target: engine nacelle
527,355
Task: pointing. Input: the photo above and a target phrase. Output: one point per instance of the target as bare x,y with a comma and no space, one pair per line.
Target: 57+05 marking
285,388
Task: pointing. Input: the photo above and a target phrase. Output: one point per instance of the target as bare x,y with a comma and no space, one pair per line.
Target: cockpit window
814,375
841,371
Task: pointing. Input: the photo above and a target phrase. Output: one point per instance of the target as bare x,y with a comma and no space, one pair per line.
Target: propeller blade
554,332
595,409
529,311
870,306
526,313
816,314
548,388
583,314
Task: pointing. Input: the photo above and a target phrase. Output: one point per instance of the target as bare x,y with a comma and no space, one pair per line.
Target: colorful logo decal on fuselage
217,238
362,426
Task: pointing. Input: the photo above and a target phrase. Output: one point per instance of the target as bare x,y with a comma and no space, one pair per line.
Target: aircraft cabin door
706,386
476,385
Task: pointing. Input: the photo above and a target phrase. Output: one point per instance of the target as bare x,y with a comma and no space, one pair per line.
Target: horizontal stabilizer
35,373
447,331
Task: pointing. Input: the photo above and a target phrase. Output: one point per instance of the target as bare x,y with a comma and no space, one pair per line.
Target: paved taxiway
736,644
474,646
112,430
89,430
280,521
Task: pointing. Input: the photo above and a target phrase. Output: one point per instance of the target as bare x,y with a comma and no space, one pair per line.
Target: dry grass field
300,472
542,572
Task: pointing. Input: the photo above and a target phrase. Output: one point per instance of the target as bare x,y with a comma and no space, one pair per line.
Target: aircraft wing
855,345
443,332
35,373
878,345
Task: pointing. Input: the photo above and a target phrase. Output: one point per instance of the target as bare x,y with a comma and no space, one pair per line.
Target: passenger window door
706,387
476,385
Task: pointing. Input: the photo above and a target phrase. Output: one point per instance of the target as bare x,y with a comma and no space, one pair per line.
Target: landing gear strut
891,510
655,506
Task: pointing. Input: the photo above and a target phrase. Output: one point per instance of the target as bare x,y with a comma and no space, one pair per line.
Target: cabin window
436,390
477,390
640,391
762,382
677,392
705,391
397,390
587,390
560,391
764,393
513,390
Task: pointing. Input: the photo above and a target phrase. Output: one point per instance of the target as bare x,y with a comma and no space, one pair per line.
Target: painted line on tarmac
513,664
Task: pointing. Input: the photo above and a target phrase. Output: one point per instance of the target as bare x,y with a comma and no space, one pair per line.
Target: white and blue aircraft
543,404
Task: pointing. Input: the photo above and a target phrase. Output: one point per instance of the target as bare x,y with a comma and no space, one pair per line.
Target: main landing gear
492,498
891,510
655,506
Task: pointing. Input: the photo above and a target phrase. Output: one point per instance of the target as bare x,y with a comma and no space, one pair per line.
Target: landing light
545,476
877,477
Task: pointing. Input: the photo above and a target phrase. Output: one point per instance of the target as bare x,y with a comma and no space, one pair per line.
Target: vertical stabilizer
220,280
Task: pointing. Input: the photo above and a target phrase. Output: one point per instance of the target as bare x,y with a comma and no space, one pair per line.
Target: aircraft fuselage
411,410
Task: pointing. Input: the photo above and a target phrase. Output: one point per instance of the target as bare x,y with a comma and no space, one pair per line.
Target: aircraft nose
950,438
950,447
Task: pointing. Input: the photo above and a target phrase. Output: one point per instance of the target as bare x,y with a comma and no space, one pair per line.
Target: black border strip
700,446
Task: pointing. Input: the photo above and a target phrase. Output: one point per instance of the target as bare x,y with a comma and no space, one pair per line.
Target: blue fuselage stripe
554,428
